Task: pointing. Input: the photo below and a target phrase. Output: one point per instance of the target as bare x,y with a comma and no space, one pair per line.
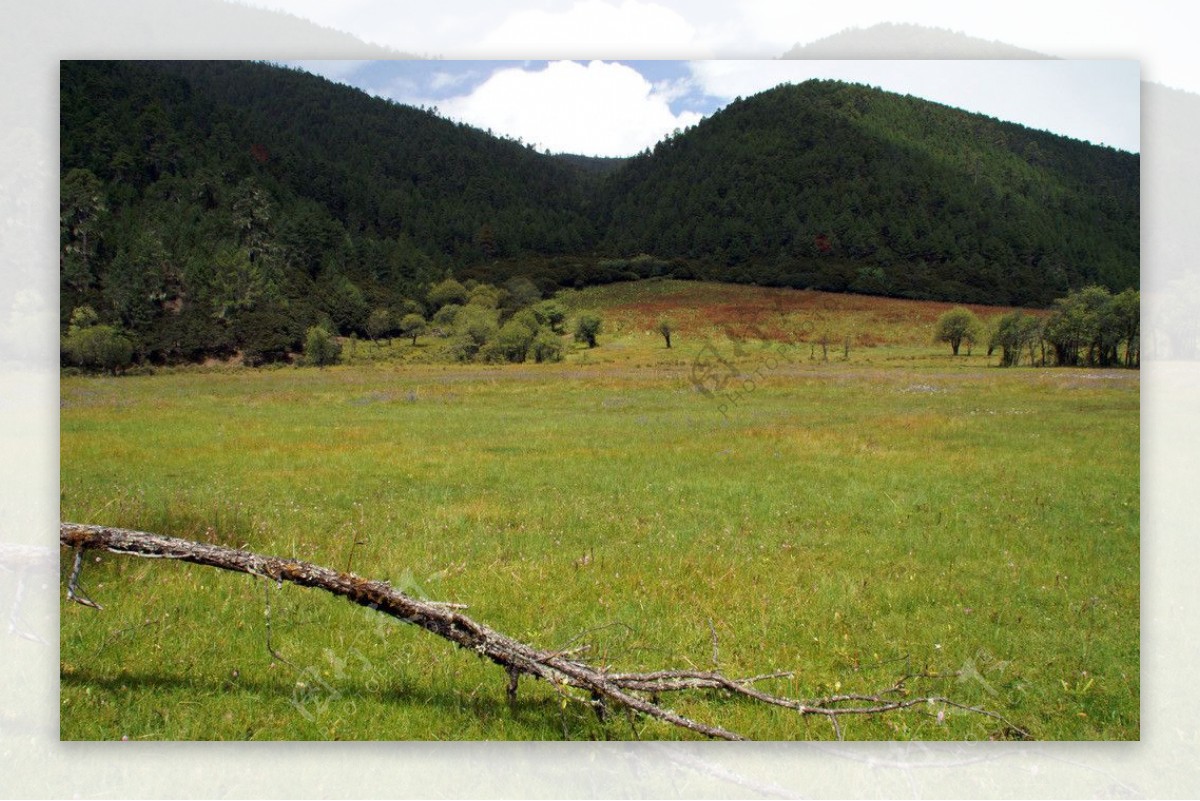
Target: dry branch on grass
602,687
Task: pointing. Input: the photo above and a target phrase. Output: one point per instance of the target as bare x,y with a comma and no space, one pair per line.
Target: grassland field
891,510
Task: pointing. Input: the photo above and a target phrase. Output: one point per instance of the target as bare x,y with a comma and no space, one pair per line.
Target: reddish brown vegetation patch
749,312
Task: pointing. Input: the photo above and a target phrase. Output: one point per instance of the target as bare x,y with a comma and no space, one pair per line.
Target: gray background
34,36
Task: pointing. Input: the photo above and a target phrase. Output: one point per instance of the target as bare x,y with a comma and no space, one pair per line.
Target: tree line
1090,327
465,322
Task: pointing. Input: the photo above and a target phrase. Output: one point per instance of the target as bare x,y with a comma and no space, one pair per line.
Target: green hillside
208,205
841,187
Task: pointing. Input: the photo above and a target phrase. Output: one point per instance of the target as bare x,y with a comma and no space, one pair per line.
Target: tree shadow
537,712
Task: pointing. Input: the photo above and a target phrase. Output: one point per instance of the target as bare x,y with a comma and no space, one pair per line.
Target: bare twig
600,688
73,592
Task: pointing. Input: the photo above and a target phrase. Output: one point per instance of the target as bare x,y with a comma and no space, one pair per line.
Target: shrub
587,327
527,318
98,347
83,317
513,341
474,327
477,323
445,317
380,324
446,293
546,347
550,313
320,347
485,295
413,325
957,325
460,348
665,326
521,292
1014,331
1090,326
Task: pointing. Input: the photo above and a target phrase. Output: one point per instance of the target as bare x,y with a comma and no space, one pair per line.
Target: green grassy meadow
851,520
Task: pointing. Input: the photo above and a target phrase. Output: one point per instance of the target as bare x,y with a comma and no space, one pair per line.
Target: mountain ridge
864,150
203,191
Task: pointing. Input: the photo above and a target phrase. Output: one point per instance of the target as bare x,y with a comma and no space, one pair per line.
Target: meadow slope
850,520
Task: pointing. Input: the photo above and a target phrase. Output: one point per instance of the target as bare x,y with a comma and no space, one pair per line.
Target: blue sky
617,108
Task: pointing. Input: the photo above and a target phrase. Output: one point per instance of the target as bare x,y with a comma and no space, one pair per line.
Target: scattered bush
320,347
550,313
665,326
445,317
447,292
1014,332
513,341
522,292
1090,326
485,295
380,323
957,325
94,346
413,325
474,327
587,327
546,347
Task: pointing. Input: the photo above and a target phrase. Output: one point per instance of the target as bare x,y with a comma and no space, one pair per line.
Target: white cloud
676,88
444,79
600,108
589,28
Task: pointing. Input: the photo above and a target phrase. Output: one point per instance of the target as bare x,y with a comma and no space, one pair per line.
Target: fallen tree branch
445,620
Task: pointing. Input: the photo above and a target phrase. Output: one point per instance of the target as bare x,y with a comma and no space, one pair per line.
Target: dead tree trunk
447,621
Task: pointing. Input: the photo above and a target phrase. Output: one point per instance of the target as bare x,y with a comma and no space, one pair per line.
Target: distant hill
205,201
844,187
890,40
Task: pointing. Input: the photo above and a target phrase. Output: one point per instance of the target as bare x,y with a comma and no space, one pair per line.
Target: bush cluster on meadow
485,323
1090,327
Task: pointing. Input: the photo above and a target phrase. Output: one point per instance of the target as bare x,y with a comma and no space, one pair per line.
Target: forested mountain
204,201
206,205
843,187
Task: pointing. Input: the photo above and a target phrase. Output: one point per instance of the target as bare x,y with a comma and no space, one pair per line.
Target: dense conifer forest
209,208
